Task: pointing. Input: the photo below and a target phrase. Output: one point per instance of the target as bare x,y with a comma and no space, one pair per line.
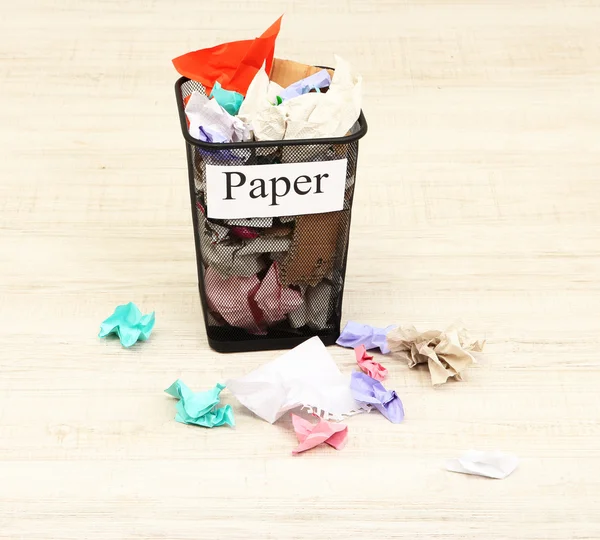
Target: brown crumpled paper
317,242
286,72
446,353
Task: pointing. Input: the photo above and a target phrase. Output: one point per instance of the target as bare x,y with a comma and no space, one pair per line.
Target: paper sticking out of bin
233,64
288,72
271,190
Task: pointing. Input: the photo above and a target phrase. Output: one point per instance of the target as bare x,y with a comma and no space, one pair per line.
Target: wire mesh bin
273,277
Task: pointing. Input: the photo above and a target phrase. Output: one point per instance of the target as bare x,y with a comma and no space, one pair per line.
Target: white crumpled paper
305,376
214,120
316,308
269,124
308,116
266,121
251,222
495,464
335,112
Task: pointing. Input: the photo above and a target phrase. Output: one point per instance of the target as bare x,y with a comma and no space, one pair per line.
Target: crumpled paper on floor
199,408
305,376
129,324
365,389
367,365
355,334
446,353
495,464
310,435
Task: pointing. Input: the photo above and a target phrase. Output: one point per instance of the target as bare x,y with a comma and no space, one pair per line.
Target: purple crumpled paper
355,334
321,79
365,389
209,134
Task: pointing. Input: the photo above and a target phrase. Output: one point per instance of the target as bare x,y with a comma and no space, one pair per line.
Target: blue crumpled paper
231,101
355,334
199,408
318,80
129,324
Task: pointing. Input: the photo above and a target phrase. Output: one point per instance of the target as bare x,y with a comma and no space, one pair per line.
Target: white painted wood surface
477,199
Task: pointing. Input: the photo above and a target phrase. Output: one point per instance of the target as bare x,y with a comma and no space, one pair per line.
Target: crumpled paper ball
445,353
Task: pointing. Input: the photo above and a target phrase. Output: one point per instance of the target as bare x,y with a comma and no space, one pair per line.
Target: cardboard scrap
314,247
286,72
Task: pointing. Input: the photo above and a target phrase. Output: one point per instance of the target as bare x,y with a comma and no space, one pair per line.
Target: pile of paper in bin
250,95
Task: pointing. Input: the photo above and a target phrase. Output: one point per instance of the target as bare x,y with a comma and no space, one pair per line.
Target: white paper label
286,189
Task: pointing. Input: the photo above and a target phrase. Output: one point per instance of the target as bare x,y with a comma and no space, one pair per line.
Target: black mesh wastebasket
270,282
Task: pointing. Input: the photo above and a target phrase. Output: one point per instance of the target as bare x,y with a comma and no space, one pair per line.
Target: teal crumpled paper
129,324
198,408
231,101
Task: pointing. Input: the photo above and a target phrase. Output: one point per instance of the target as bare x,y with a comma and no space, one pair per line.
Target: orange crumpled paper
446,353
233,64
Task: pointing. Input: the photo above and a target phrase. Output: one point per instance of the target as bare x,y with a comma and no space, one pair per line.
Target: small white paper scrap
496,464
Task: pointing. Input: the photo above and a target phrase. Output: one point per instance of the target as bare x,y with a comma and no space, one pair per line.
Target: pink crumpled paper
248,303
311,435
368,365
233,299
274,300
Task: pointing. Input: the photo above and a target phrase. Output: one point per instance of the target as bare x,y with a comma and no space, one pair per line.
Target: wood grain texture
477,199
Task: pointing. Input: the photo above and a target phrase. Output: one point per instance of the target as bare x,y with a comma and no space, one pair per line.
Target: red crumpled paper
246,233
233,64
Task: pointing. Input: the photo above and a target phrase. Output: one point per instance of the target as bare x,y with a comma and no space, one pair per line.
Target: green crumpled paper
129,324
198,408
231,101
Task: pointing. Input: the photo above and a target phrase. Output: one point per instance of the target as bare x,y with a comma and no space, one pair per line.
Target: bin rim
347,139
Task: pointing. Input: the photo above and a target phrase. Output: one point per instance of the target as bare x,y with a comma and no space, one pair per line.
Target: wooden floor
478,198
